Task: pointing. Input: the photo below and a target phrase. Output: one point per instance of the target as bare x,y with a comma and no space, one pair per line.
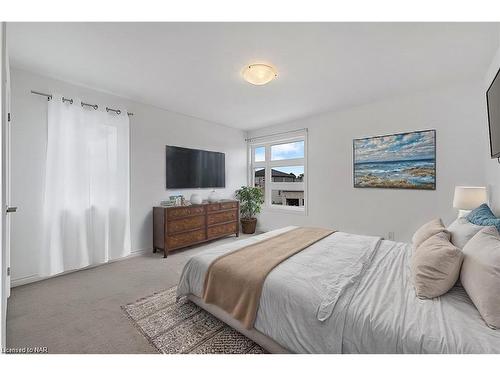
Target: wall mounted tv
189,168
493,102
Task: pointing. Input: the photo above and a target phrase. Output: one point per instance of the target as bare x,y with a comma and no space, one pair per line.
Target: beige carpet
183,327
80,312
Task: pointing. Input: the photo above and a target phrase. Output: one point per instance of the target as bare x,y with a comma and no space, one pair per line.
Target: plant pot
248,225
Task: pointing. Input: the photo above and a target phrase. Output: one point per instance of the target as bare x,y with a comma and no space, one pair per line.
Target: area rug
183,327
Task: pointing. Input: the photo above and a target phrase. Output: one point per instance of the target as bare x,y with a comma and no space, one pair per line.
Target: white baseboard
34,278
24,280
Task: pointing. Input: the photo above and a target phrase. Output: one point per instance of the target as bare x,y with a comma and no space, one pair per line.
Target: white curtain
86,205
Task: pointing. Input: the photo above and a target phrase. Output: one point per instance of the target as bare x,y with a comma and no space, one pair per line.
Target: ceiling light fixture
259,74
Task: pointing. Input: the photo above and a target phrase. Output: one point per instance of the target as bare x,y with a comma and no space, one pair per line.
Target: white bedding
352,294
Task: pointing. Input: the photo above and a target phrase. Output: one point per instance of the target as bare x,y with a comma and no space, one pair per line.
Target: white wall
492,168
455,112
150,130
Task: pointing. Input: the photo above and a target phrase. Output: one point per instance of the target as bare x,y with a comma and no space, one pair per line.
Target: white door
5,183
8,210
3,294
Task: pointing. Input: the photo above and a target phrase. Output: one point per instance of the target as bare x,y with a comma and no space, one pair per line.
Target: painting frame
431,186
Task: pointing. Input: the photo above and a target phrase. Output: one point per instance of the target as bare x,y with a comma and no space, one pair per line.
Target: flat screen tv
189,168
493,101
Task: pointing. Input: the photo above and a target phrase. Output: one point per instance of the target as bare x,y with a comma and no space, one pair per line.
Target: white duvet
352,294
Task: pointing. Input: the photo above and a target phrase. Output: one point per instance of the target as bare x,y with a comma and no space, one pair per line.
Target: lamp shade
469,197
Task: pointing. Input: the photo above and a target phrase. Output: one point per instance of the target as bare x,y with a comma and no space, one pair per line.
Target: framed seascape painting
397,161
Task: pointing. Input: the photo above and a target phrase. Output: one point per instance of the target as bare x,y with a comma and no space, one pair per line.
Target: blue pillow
484,217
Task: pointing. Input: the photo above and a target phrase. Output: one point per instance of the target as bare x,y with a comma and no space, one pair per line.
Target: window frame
269,164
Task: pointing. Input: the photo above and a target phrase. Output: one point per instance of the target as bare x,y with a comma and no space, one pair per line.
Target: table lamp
467,198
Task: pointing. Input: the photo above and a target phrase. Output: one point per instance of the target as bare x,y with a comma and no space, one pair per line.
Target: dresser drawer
221,206
180,225
213,207
222,217
185,239
221,230
228,205
176,212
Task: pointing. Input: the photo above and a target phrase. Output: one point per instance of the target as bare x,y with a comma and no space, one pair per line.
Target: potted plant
251,200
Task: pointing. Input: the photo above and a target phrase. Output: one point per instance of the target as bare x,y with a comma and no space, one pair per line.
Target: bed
348,293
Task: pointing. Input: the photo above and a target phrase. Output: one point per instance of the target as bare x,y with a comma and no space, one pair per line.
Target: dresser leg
165,253
154,250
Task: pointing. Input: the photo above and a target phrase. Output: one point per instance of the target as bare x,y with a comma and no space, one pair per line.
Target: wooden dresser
178,227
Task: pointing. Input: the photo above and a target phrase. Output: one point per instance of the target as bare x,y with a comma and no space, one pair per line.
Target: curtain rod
272,135
70,101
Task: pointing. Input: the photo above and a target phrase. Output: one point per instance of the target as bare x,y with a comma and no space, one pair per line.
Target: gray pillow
480,274
435,266
427,231
462,231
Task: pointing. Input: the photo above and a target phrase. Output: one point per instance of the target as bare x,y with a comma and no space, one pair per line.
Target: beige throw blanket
234,281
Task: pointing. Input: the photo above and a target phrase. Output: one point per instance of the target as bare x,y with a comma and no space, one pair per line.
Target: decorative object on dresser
213,197
195,199
178,227
251,199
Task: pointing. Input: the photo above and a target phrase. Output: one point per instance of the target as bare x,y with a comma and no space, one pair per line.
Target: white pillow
426,231
480,274
462,231
435,266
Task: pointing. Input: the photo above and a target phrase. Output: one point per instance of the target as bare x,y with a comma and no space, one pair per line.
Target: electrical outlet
390,236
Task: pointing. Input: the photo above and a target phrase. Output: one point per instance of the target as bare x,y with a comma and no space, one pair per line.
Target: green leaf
251,200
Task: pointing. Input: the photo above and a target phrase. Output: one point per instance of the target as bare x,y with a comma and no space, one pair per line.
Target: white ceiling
195,68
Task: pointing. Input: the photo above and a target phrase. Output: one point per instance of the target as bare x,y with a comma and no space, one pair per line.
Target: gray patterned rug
183,327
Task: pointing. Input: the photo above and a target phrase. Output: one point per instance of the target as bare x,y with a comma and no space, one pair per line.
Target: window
284,151
260,153
278,167
259,178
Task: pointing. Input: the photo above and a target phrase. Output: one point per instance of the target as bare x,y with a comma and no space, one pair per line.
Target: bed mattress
352,294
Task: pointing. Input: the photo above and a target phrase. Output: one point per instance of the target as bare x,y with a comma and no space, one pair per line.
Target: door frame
4,187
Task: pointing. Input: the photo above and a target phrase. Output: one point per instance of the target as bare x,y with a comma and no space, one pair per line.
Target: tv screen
493,101
189,168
